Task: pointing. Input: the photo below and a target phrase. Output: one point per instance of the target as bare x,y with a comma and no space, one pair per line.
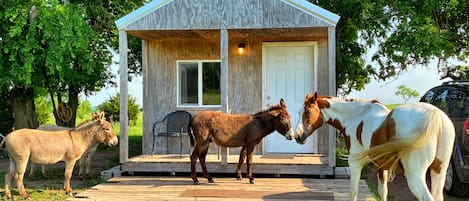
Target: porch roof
226,14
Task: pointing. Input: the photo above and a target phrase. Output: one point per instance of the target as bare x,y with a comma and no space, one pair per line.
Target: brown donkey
49,147
235,130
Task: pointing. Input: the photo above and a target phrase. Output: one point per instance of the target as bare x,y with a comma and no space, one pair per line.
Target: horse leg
68,175
355,174
249,164
415,165
202,157
383,178
242,157
440,165
11,171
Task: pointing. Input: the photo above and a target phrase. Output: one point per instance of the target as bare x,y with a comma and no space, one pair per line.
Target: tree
406,93
102,14
406,33
49,47
111,108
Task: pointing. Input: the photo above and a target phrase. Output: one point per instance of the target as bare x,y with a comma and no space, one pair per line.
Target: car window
456,103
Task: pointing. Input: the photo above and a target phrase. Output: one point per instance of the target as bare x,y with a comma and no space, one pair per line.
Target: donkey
49,147
84,162
412,138
235,130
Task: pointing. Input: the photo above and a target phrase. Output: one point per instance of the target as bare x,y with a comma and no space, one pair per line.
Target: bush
112,108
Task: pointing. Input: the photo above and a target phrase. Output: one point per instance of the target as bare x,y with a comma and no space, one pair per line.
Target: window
198,83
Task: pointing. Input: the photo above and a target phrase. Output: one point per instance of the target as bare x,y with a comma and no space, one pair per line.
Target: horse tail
389,154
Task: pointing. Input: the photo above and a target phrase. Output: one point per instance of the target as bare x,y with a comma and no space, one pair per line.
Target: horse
49,147
411,138
235,130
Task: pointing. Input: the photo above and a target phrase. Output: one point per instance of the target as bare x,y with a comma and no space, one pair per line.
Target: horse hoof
210,180
251,181
196,183
239,178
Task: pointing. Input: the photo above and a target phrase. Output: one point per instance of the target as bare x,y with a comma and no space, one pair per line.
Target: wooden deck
298,164
228,189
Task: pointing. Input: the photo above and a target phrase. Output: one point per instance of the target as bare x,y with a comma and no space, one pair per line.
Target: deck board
298,164
182,189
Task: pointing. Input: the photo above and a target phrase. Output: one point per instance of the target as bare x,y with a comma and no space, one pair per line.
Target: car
453,98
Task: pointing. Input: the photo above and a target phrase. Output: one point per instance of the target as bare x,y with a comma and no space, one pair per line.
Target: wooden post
224,83
124,121
332,89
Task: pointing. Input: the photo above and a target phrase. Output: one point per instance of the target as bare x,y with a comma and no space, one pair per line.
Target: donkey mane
86,124
274,107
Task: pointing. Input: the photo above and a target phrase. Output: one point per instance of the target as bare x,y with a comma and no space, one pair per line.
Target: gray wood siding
244,72
225,14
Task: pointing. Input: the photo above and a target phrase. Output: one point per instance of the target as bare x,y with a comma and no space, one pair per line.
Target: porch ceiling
243,33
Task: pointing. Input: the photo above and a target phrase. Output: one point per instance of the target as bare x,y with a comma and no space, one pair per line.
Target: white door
289,73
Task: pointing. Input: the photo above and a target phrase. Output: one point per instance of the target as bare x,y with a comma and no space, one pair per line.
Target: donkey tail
389,154
191,134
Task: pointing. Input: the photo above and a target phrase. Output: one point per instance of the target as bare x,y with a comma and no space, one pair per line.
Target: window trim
199,82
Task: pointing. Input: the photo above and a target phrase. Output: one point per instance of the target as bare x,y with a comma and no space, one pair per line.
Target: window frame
199,103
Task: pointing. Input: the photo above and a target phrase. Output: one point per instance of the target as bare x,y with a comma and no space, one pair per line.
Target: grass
53,183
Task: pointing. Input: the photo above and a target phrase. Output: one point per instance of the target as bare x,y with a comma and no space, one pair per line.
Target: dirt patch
104,158
397,188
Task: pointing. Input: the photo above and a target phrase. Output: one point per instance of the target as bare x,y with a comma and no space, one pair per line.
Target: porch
181,188
270,165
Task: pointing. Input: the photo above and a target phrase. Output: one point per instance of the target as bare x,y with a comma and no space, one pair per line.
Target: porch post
224,83
124,137
332,89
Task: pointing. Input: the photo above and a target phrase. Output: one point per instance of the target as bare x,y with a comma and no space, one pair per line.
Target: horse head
105,133
311,119
283,121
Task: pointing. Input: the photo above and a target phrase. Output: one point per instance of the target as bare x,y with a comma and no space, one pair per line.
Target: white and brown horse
412,138
49,147
235,130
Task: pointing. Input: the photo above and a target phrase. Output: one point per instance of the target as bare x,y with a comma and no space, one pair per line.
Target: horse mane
274,107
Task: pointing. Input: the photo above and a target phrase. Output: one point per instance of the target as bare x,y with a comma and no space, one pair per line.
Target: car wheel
453,185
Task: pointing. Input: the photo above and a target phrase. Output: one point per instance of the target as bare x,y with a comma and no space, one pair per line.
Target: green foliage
6,114
112,107
406,93
43,109
406,33
84,110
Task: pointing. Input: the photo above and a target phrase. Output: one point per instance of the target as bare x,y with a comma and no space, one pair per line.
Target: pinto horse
235,130
49,147
411,138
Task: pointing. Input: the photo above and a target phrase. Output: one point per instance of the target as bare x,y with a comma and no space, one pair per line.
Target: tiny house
233,56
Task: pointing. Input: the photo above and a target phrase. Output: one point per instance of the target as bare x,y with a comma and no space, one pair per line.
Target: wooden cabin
233,56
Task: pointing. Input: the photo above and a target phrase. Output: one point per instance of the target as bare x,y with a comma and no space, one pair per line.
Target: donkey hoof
210,180
239,178
251,181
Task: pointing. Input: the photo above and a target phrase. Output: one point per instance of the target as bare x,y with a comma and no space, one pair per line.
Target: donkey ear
282,103
94,116
101,115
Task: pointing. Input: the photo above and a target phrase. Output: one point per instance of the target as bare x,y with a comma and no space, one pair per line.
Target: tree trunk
24,110
66,113
73,103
